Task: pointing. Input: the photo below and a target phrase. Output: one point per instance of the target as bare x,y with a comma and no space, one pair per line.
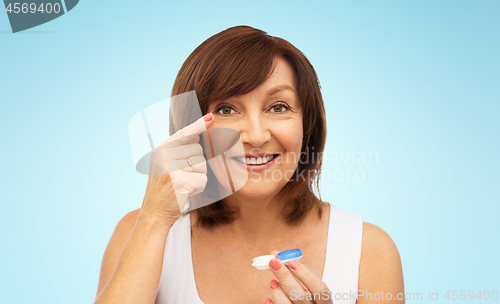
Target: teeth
255,161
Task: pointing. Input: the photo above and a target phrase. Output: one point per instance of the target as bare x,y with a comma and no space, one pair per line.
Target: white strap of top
343,255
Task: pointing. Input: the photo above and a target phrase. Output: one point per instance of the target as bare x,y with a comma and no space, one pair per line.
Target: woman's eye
279,108
226,110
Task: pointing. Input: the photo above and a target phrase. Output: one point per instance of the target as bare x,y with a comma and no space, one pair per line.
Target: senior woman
266,89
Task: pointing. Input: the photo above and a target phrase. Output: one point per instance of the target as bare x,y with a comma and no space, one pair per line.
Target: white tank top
343,253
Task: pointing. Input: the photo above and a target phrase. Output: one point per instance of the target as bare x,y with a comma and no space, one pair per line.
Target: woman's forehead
282,74
280,82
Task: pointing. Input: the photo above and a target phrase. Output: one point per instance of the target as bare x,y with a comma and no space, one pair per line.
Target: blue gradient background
417,83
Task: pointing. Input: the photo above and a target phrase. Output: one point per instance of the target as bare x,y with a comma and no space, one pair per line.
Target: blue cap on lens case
289,255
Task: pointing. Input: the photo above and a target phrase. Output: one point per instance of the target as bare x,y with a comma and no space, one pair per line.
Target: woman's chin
258,190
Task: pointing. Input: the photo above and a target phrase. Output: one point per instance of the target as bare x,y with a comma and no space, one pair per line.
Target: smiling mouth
255,161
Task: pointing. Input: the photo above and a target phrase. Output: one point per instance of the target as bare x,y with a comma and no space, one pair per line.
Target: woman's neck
258,220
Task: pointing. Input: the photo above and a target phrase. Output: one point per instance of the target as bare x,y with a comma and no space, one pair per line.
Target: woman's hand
177,170
288,289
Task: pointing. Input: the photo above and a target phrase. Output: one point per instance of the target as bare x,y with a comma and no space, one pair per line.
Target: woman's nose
255,131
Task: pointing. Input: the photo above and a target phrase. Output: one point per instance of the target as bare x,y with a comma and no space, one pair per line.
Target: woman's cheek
289,135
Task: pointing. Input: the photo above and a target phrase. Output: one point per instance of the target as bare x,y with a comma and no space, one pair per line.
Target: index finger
191,132
285,278
314,284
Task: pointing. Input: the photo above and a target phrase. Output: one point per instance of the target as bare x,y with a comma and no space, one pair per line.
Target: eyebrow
272,91
280,88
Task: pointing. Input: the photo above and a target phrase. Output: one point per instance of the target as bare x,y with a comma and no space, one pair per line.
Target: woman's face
269,120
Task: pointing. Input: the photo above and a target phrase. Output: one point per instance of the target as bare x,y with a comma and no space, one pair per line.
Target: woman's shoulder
127,222
377,244
380,265
115,247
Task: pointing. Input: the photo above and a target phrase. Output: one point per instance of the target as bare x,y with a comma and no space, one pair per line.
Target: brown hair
236,61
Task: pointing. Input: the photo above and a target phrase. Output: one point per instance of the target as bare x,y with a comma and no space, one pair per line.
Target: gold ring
190,164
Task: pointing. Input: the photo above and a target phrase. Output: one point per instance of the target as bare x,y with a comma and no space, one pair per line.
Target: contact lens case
290,255
262,262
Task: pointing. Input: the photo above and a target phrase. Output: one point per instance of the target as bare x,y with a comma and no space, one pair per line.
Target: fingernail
275,264
274,284
294,265
208,117
268,301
